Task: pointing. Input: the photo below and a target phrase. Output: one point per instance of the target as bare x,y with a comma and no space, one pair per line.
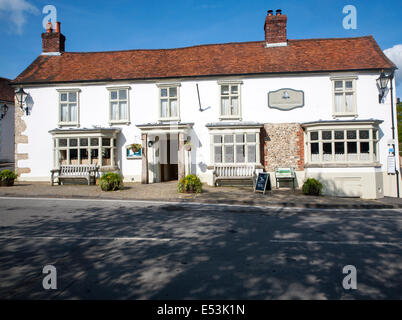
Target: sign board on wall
391,164
286,99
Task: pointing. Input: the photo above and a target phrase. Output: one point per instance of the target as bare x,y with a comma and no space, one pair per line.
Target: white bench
233,172
285,174
83,171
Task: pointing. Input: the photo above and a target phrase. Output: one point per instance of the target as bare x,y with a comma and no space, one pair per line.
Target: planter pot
7,183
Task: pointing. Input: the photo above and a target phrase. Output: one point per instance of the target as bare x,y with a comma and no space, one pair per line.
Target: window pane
338,85
327,135
251,153
163,92
217,139
363,134
349,85
63,156
64,112
94,155
123,94
314,135
235,89
225,107
63,97
339,151
250,137
73,142
123,110
73,112
62,142
225,90
327,151
235,106
164,108
72,96
239,138
105,141
351,134
349,102
84,156
240,154
84,142
315,156
106,157
94,142
73,154
113,95
352,147
173,92
339,103
364,150
114,109
339,135
375,134
228,138
229,153
173,108
218,154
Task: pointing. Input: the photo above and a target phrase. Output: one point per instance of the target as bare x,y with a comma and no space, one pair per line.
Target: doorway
169,157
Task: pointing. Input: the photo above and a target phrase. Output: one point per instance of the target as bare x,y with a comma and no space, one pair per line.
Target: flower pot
7,183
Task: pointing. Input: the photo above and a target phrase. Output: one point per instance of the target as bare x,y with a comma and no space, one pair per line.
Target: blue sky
122,24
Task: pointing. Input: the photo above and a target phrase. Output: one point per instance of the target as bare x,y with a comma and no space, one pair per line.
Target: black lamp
3,110
21,96
382,84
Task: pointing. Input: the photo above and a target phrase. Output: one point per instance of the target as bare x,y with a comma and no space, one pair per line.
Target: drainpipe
391,77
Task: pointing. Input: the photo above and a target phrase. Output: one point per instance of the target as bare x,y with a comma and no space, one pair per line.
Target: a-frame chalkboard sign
263,183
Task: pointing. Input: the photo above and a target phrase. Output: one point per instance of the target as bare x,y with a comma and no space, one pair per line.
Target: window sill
125,122
68,124
229,118
168,119
343,165
341,115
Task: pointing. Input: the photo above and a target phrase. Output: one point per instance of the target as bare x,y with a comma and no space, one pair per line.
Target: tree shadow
199,252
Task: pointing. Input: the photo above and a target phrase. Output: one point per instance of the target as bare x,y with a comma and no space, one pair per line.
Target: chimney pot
49,27
278,12
57,28
270,12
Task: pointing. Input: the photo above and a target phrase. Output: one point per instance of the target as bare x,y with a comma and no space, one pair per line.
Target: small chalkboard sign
263,183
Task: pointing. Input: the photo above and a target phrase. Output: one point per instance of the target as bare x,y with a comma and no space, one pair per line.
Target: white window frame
119,121
235,132
68,123
344,91
168,86
373,141
230,83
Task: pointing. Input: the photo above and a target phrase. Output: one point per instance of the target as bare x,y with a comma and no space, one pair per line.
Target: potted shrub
312,187
111,181
190,184
7,178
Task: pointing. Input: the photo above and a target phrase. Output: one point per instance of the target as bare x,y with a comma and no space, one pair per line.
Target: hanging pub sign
134,151
263,183
286,99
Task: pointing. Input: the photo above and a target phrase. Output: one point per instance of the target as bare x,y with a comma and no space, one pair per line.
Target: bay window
235,147
342,144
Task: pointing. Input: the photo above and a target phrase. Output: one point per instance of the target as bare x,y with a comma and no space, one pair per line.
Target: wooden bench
83,171
233,172
285,174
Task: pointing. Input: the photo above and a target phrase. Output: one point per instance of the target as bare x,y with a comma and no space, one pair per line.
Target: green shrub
190,183
312,187
7,175
111,181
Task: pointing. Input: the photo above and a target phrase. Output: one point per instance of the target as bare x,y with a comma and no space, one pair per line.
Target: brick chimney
53,41
275,29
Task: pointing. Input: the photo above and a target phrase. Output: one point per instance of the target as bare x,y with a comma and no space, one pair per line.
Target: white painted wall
144,109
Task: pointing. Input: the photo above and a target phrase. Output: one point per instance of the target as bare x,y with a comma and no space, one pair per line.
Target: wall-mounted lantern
150,144
3,110
21,96
382,84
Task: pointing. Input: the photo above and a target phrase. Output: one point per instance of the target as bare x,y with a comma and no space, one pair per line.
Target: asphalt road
142,250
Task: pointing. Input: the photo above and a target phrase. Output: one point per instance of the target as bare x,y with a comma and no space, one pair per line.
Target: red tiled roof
207,60
6,91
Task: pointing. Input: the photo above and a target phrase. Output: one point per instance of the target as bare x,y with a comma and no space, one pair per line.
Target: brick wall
53,42
275,29
283,146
